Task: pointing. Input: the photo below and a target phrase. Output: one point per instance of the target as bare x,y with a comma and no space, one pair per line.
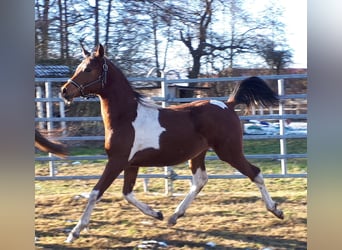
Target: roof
51,71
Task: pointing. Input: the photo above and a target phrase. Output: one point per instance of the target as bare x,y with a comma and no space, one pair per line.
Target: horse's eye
87,70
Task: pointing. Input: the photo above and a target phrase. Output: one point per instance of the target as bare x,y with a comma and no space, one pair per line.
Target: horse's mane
142,99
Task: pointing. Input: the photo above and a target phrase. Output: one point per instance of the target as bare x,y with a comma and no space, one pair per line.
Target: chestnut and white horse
138,133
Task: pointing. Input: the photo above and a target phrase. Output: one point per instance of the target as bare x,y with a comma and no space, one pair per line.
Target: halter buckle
105,66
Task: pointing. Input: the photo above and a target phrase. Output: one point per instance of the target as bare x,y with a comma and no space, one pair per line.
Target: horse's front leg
199,179
130,176
110,173
84,220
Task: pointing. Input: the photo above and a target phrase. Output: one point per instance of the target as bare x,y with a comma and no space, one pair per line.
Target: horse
139,132
46,145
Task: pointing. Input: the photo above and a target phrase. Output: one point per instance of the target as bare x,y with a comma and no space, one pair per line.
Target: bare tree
96,24
275,58
109,10
272,46
224,45
42,28
138,34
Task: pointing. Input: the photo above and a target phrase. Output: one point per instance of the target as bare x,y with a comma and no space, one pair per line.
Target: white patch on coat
218,103
141,206
199,179
259,181
84,221
147,129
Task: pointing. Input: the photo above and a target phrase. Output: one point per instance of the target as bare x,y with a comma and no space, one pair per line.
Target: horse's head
90,76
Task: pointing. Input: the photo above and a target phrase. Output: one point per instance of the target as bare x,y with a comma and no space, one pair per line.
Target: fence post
282,141
62,114
40,106
49,114
167,169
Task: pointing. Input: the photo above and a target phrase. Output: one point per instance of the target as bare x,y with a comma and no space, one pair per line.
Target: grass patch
272,146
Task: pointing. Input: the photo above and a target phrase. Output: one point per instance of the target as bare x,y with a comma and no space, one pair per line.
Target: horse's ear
99,51
84,51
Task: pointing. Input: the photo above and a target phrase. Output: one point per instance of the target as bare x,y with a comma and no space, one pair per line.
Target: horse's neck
118,104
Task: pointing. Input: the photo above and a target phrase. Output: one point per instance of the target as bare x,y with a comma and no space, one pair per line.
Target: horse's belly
168,155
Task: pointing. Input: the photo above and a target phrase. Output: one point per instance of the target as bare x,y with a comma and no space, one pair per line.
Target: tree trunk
61,30
97,27
109,9
65,31
45,30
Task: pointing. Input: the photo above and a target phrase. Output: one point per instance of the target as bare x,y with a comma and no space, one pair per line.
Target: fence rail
165,98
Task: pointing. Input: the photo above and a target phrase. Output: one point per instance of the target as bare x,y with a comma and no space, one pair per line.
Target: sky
295,19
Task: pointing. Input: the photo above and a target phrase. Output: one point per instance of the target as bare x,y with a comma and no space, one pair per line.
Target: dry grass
228,213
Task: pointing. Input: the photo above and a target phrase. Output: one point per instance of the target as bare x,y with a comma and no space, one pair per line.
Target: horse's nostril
63,90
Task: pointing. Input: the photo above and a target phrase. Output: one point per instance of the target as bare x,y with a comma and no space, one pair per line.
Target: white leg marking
270,204
199,179
143,207
147,129
218,103
84,221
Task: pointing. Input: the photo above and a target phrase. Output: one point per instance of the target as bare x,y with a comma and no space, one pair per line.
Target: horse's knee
129,197
254,173
94,196
258,179
200,178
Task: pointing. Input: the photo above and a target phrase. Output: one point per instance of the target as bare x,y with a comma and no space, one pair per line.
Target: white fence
44,102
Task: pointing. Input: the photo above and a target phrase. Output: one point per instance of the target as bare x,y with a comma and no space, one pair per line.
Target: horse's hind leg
234,156
270,204
109,175
199,179
130,176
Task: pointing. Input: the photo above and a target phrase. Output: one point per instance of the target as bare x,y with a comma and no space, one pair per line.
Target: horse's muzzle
67,97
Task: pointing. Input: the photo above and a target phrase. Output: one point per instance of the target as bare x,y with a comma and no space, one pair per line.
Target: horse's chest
147,130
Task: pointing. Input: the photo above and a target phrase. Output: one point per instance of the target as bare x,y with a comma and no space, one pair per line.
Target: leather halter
102,78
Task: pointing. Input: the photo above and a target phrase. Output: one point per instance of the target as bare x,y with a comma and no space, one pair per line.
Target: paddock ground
227,214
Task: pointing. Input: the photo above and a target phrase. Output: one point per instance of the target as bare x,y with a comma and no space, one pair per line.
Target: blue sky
295,18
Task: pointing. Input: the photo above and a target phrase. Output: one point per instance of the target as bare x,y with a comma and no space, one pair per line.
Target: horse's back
216,121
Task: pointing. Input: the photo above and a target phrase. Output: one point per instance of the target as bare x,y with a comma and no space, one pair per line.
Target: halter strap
102,78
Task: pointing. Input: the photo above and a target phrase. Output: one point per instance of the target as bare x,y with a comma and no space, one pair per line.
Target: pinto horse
140,133
46,145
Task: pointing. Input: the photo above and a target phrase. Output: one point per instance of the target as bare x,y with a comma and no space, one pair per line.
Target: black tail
48,146
253,91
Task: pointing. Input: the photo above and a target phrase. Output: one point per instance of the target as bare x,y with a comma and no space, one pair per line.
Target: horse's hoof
172,220
71,237
160,216
276,212
68,240
280,214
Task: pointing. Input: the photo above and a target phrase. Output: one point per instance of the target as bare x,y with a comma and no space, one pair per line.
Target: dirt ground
219,218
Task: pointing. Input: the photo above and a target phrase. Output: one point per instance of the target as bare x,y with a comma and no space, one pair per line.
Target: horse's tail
253,91
48,146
